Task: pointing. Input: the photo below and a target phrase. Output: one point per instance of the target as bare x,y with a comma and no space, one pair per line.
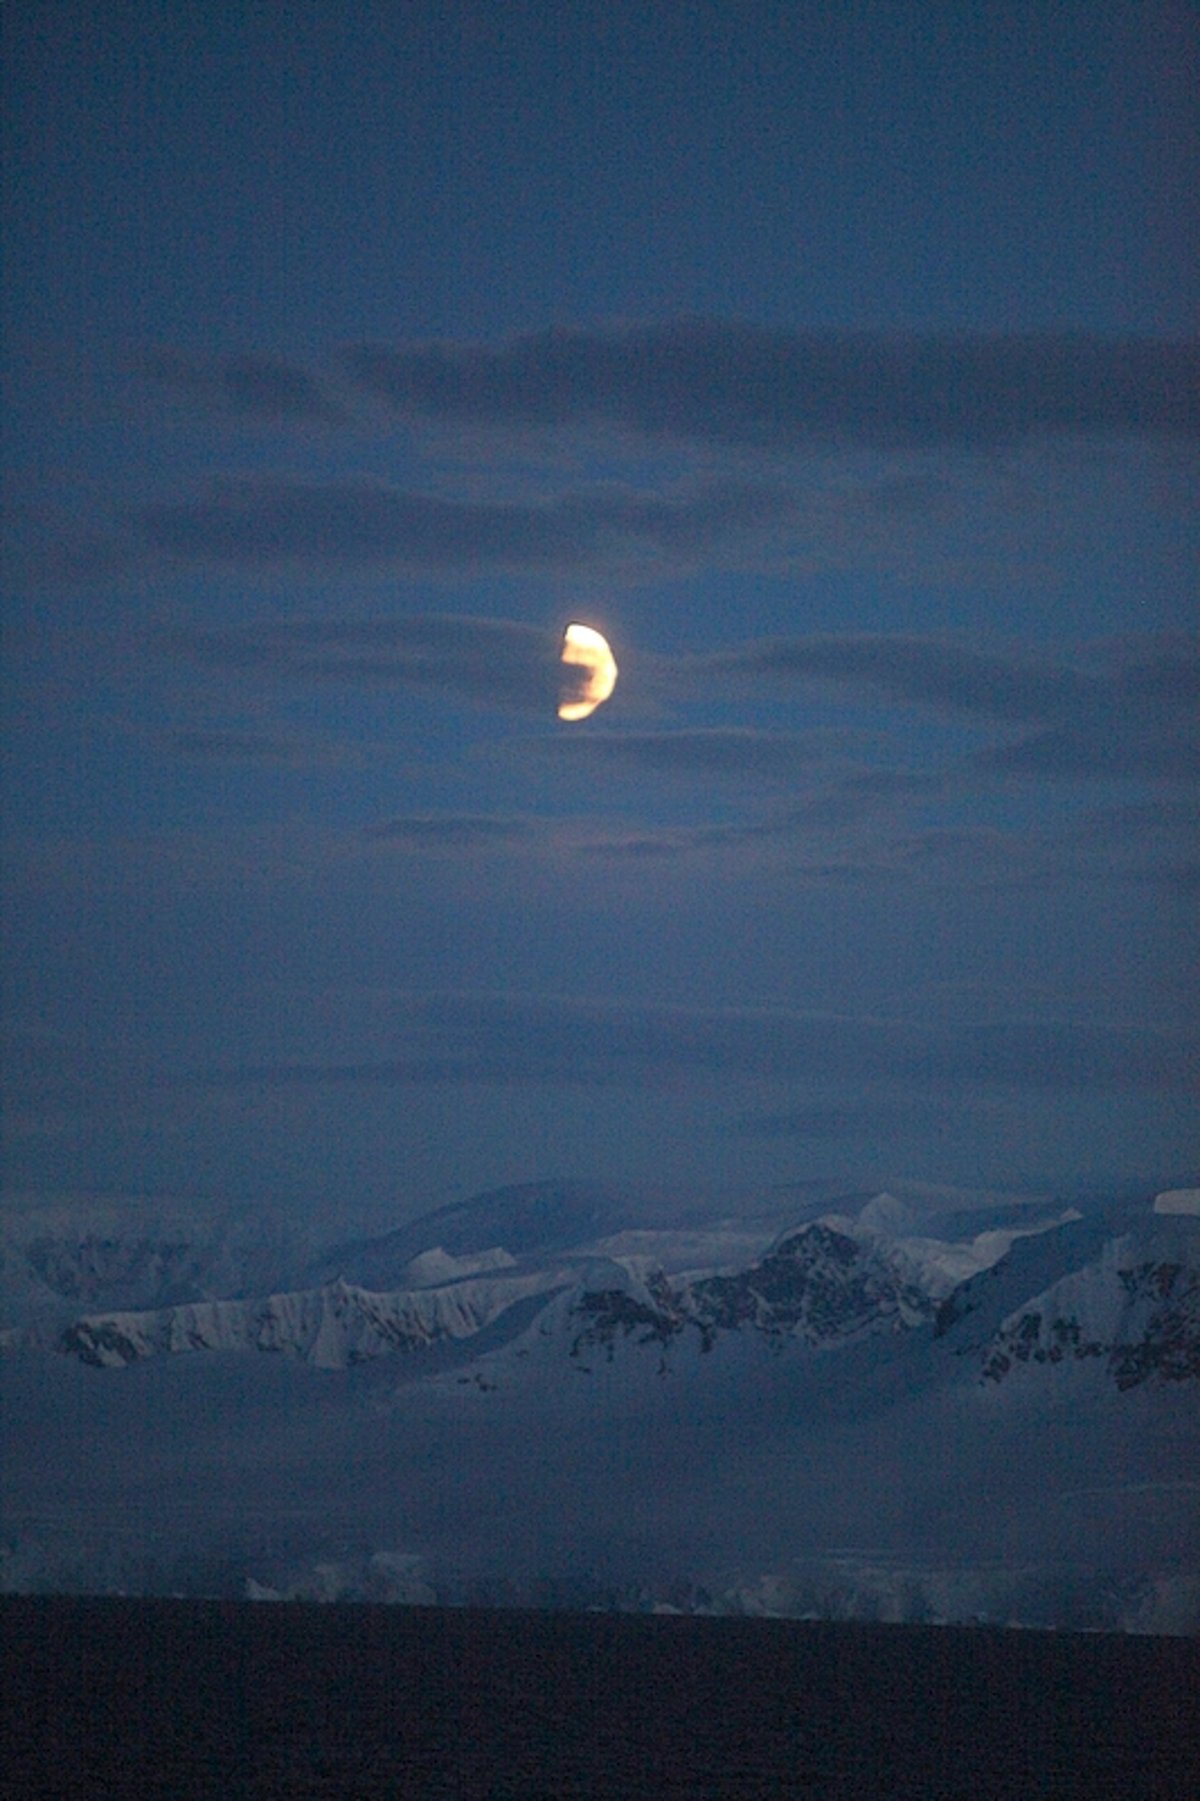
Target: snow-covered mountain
1054,1288
817,1286
1136,1306
329,1327
533,1388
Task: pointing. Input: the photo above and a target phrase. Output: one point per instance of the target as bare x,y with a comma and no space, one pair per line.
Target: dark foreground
120,1698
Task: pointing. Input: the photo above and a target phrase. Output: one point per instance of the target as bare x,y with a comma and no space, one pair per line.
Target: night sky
834,360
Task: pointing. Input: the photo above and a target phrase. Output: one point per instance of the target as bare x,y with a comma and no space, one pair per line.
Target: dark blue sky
835,360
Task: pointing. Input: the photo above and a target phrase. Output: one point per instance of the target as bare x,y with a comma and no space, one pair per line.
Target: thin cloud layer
460,1039
273,520
250,386
220,745
1105,749
710,752
1135,718
926,672
498,662
524,1039
739,384
455,832
721,382
695,395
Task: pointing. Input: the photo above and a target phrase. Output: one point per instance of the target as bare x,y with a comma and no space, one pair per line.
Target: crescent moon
586,649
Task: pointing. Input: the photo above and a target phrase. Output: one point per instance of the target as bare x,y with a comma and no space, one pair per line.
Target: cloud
1138,721
802,1122
459,651
572,838
455,831
47,545
504,1040
1161,671
1132,716
265,388
1182,879
1161,817
1100,750
217,745
1146,841
717,753
929,672
274,520
738,384
632,844
496,662
520,1041
49,1076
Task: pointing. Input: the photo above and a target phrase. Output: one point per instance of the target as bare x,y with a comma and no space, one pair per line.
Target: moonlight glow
588,650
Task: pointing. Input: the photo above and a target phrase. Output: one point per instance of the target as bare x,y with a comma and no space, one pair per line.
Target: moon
586,649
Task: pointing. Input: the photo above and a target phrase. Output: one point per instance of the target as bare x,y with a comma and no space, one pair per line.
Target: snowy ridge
436,1267
329,1327
972,1313
937,1265
1178,1200
1137,1305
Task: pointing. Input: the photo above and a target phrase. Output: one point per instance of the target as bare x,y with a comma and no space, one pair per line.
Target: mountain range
912,1404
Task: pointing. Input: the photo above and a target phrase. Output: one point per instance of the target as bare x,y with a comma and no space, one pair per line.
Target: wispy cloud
717,752
745,385
201,744
520,1040
1139,720
815,1121
728,382
250,386
928,672
1132,714
273,520
859,435
524,1039
456,832
1099,750
488,661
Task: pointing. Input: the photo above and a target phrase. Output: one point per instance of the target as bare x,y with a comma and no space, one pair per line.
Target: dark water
119,1698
